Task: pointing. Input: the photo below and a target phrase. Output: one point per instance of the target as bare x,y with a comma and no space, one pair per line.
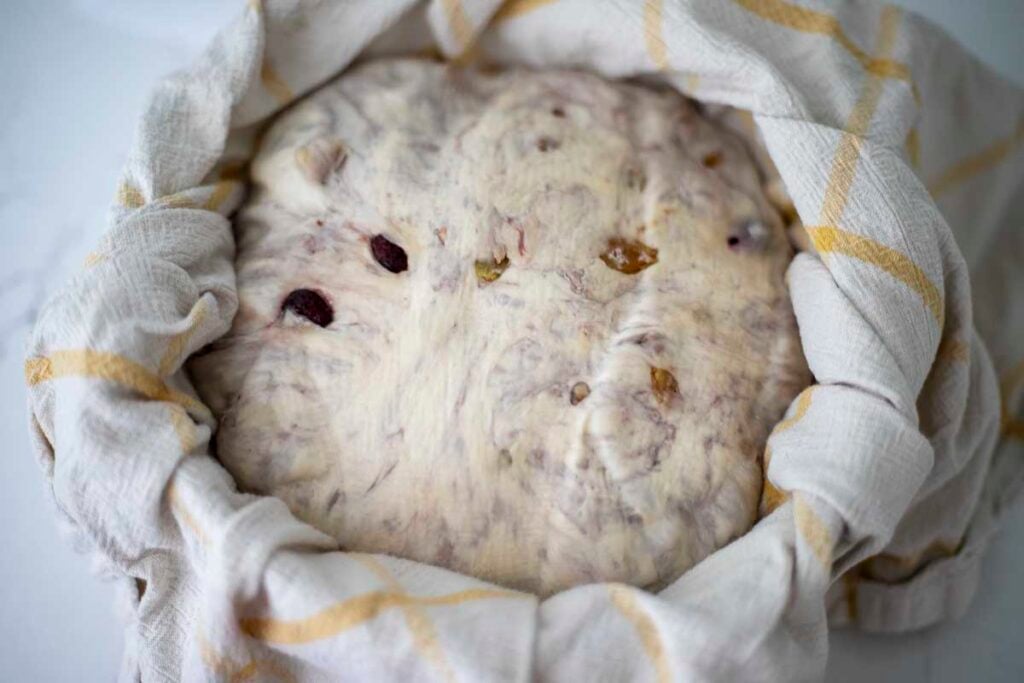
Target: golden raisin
663,384
712,159
579,391
629,256
489,270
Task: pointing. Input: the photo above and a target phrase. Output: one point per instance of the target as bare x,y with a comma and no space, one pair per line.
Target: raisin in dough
530,326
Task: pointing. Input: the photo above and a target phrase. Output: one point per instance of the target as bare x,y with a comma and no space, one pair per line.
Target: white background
74,75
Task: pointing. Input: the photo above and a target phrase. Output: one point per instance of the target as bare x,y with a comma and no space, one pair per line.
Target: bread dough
574,375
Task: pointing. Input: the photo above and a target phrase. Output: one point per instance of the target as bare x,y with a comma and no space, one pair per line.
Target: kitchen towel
885,479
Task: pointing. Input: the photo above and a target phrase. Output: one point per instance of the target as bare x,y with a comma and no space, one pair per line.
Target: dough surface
573,377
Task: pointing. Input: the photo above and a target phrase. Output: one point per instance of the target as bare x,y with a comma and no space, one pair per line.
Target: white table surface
74,77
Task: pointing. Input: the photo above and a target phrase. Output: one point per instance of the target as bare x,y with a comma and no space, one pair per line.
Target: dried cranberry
310,305
389,254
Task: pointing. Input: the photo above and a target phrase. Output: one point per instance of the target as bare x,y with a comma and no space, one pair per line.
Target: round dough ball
530,326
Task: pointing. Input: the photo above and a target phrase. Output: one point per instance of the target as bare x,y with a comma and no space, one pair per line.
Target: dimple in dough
573,380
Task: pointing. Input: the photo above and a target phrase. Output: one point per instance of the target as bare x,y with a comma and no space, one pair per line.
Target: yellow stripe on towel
654,37
807,20
624,600
517,8
274,84
112,368
771,496
129,196
833,240
813,531
424,634
354,612
461,26
977,163
844,164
